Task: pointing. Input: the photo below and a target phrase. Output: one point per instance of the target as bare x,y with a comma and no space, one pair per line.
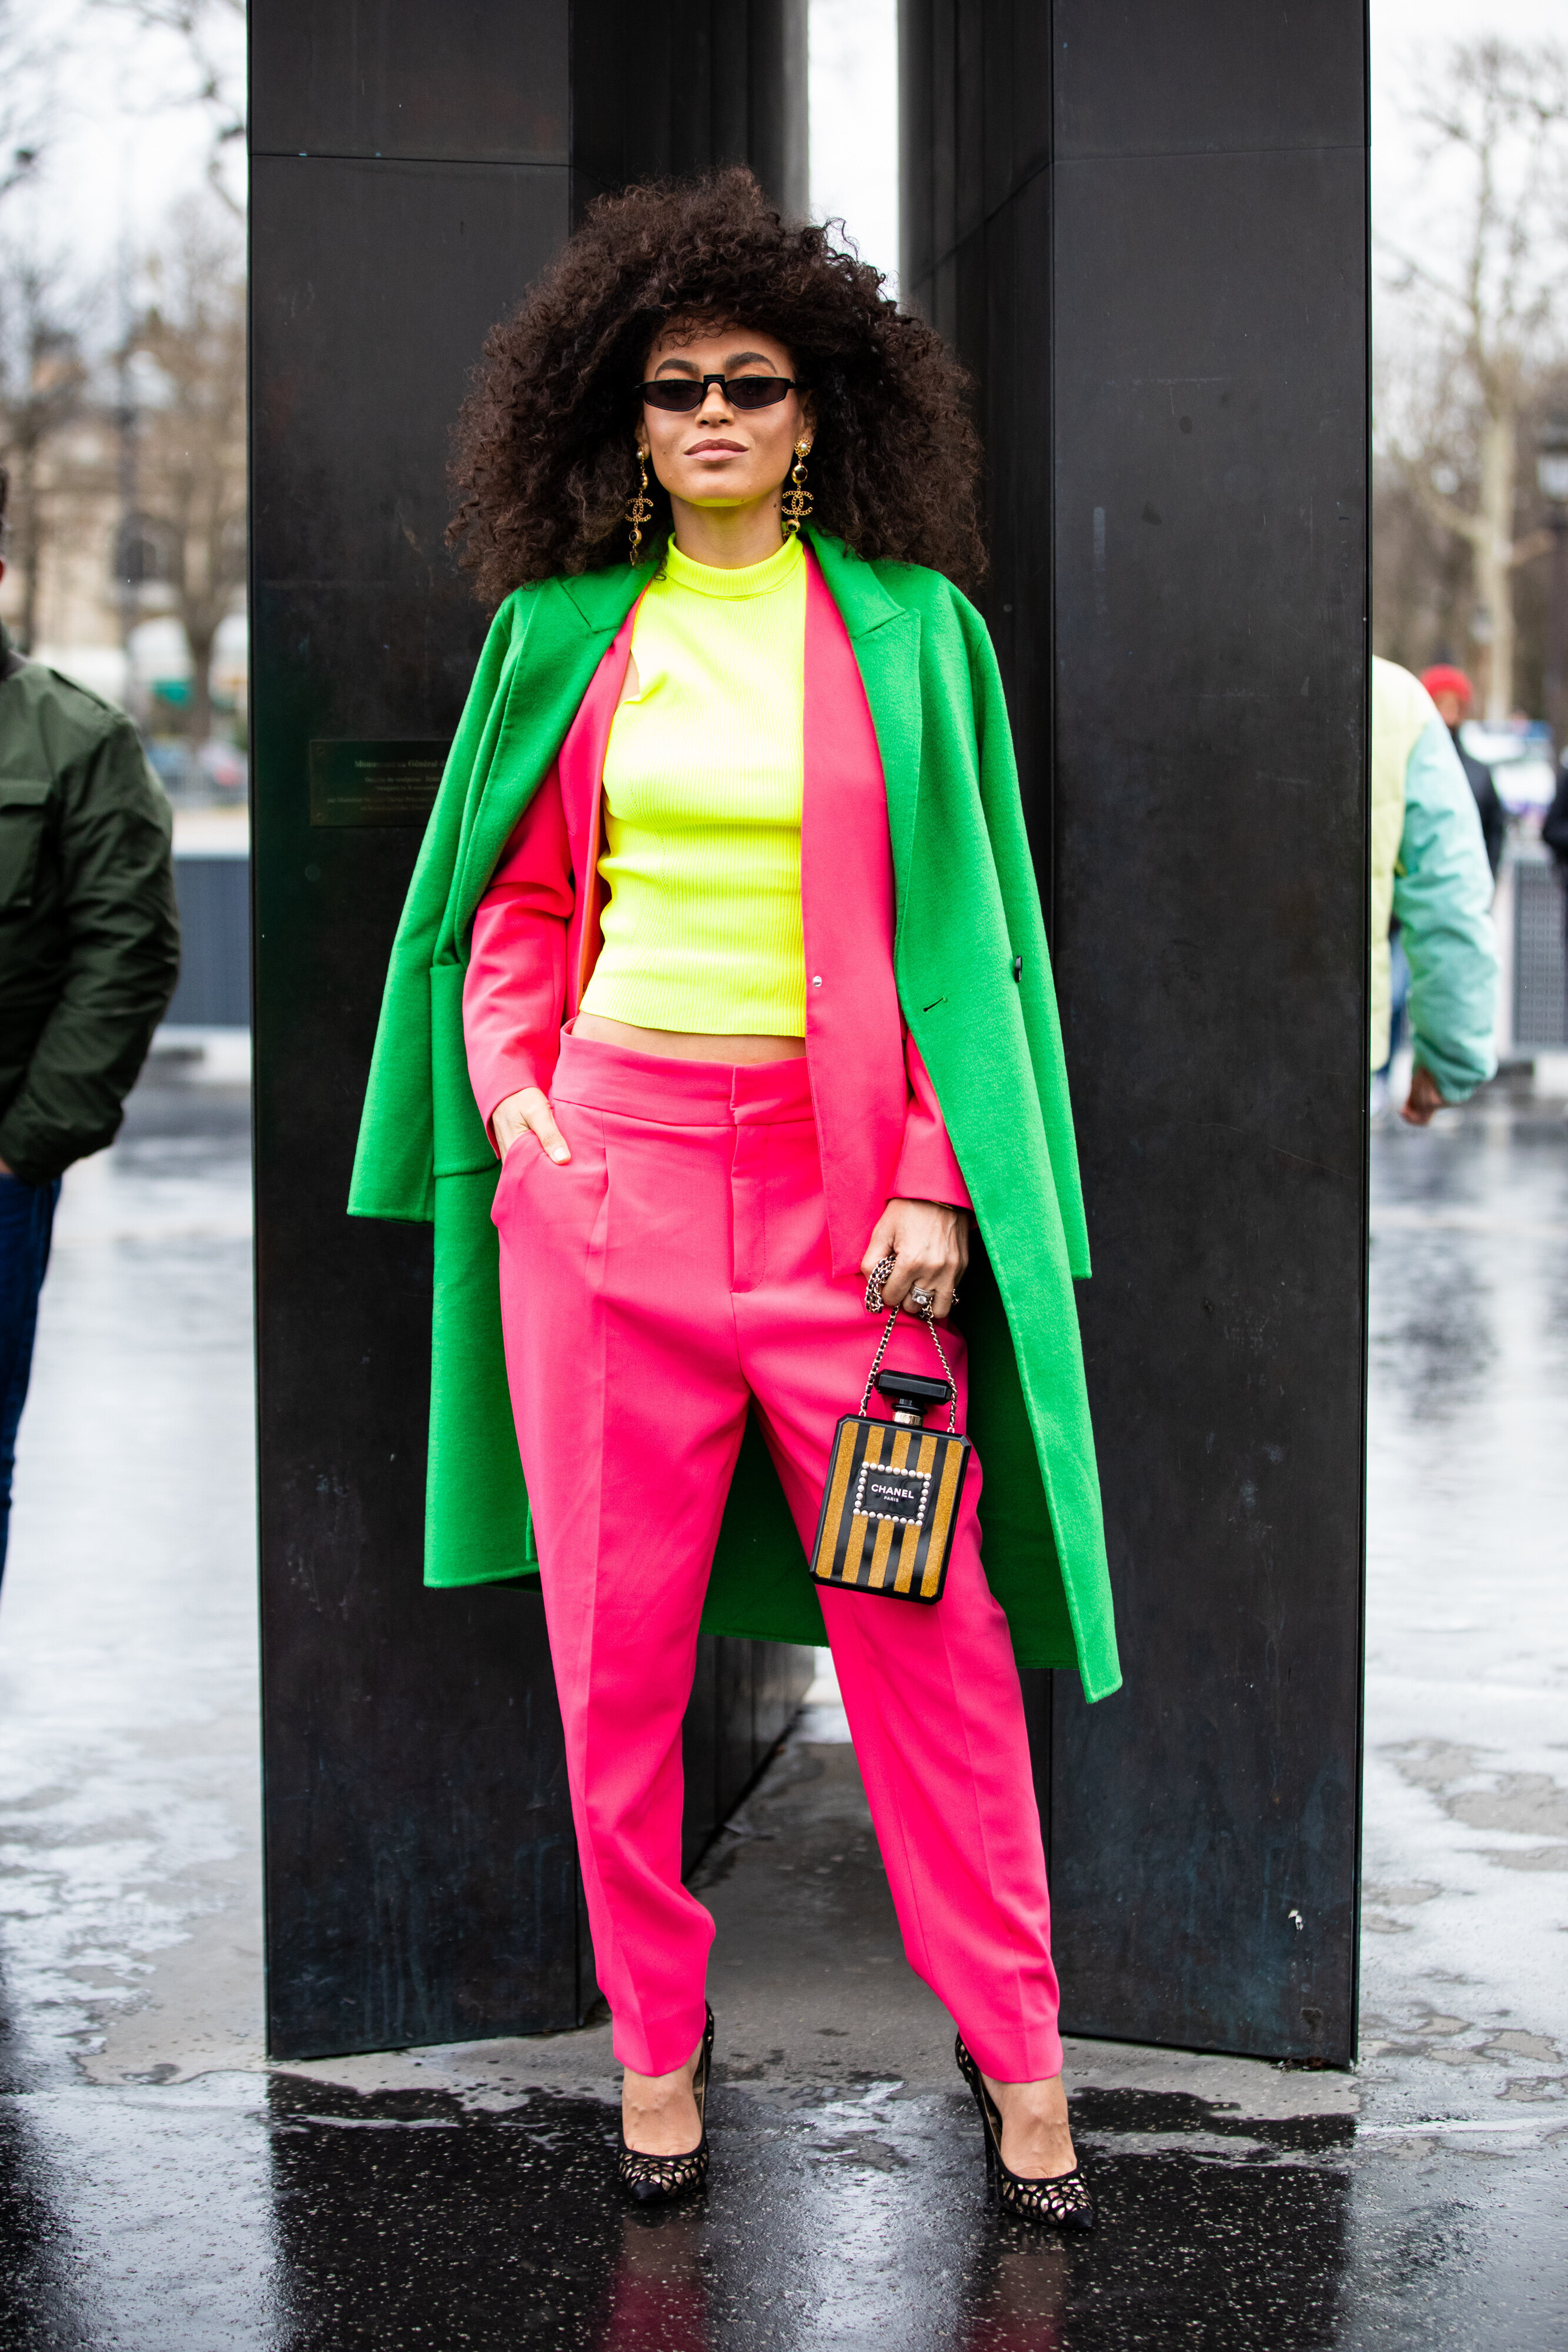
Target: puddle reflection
1214,2228
403,2220
400,2221
658,2298
1018,2294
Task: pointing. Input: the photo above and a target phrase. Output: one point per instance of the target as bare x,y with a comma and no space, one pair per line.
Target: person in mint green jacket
1429,870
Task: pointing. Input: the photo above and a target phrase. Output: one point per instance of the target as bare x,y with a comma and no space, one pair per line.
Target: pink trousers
674,1276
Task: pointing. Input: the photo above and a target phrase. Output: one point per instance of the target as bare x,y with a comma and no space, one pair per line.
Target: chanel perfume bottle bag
894,1489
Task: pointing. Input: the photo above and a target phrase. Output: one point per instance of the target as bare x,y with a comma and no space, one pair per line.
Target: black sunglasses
685,391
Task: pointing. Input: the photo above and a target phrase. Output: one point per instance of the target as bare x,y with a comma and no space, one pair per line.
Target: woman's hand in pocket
528,1113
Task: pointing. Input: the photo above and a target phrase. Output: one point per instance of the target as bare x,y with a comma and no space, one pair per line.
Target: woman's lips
716,450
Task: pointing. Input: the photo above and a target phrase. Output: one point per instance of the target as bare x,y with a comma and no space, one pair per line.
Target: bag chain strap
879,1274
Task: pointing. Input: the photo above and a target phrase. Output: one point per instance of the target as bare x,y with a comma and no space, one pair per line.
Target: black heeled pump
1066,2202
650,2177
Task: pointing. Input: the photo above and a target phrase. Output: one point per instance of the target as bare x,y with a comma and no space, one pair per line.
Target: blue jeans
1398,994
26,1222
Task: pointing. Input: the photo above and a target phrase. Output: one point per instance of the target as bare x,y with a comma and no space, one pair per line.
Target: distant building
107,597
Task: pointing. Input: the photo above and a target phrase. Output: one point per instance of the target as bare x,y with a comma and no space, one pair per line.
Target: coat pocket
23,804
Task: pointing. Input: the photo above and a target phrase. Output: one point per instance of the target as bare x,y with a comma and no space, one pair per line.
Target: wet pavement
160,2187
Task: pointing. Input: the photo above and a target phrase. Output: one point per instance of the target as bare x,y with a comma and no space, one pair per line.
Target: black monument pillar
413,164
1144,225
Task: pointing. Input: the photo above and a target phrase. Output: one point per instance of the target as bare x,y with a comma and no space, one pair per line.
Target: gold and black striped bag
894,1487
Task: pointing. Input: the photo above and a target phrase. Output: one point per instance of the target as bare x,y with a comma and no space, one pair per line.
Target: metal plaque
375,784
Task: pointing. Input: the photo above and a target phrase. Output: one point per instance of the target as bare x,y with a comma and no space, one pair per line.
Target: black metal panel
1226,76
744,1696
1210,643
421,1868
421,1872
735,1758
469,81
664,91
781,1676
1173,307
633,91
976,135
214,896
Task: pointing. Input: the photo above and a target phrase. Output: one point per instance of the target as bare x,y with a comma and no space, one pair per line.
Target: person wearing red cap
1452,692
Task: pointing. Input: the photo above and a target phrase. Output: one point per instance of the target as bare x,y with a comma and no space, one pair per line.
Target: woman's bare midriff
683,1044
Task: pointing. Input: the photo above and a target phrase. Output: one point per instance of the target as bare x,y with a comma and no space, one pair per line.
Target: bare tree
193,432
1420,577
42,376
1496,115
25,55
212,32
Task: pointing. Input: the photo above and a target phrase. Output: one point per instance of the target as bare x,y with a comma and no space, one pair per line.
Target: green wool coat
985,1024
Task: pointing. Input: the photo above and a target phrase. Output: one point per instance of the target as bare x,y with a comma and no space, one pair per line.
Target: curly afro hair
543,462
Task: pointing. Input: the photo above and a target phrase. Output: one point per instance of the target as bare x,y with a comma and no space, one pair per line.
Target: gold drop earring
639,505
798,498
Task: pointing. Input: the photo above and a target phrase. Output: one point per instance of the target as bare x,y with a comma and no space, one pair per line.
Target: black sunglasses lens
680,392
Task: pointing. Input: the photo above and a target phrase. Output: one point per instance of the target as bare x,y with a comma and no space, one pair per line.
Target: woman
724,939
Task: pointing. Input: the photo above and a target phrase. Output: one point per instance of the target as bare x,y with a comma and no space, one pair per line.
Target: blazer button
816,980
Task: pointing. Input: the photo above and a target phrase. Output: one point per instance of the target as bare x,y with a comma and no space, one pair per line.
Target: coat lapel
603,599
886,635
568,627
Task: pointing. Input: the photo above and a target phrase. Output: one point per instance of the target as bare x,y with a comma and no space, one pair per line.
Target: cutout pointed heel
650,2179
1064,2203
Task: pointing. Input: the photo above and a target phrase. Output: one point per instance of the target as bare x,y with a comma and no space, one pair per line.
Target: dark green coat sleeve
121,958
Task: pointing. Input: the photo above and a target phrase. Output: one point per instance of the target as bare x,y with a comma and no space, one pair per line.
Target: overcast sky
118,153
123,153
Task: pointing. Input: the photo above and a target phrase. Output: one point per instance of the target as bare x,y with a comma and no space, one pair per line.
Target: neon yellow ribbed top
704,776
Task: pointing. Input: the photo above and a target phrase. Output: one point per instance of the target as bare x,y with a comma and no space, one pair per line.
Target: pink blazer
536,937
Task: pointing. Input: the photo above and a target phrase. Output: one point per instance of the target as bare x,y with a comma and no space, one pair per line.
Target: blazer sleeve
394,1162
927,1168
514,994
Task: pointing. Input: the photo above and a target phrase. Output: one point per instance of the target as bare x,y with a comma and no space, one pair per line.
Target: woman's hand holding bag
929,1245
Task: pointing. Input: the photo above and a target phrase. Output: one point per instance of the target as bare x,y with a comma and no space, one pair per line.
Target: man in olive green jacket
89,952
